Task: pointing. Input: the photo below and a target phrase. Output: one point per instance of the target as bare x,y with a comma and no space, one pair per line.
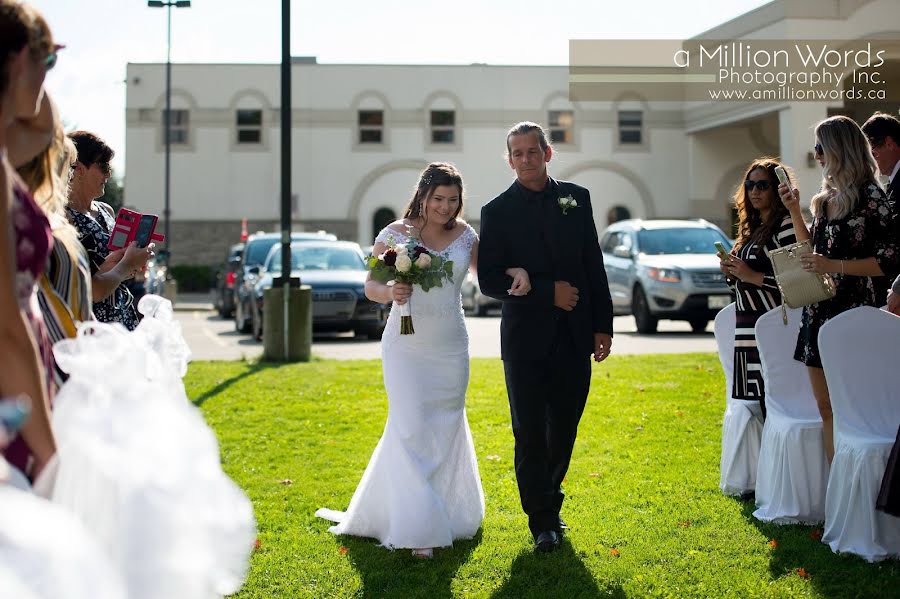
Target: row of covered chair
783,460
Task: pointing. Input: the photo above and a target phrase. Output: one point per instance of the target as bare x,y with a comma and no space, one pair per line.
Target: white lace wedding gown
421,487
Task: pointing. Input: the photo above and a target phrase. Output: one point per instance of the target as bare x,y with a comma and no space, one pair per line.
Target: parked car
665,269
336,271
473,300
256,249
225,279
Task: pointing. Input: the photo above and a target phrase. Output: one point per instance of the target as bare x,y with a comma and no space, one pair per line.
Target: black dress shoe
546,541
561,526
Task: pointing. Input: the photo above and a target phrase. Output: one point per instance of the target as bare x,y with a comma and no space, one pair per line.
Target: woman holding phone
94,221
763,225
852,237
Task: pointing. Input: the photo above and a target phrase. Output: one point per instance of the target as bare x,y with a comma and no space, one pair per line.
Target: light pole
167,119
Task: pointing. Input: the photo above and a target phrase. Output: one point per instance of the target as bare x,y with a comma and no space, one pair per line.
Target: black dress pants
546,401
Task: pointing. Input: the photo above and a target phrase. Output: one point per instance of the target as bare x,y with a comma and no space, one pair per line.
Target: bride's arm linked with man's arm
502,282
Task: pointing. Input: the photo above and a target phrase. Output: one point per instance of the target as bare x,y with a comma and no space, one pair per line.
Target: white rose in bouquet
402,250
403,263
423,261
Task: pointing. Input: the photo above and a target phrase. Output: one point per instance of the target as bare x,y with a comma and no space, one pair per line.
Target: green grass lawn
643,501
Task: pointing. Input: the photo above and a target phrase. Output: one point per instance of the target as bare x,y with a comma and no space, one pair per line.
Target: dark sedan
255,252
336,272
225,280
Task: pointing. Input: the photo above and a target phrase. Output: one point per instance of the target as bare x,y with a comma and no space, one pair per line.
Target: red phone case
126,228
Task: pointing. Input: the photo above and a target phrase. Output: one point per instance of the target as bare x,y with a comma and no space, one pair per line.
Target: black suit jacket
551,246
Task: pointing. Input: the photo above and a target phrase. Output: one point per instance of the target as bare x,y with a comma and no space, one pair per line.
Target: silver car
665,269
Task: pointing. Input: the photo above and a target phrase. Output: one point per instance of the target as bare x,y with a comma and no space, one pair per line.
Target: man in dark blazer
883,131
539,255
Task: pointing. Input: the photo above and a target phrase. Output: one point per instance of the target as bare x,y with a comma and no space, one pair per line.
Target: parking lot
211,337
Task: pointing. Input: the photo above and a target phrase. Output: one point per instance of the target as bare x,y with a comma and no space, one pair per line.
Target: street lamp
168,4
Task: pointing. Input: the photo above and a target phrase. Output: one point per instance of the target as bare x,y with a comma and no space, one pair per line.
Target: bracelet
842,268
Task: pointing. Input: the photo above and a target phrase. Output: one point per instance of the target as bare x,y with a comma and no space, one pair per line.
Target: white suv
665,269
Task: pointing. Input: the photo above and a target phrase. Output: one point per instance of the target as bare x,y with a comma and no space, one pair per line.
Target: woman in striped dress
64,289
764,224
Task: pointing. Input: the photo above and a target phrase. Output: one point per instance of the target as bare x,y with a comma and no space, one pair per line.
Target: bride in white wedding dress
421,488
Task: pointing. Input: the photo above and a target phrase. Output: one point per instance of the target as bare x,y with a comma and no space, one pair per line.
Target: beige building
362,133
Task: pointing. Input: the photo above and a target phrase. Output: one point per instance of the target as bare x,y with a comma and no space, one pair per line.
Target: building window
630,126
561,122
249,126
442,126
371,126
178,128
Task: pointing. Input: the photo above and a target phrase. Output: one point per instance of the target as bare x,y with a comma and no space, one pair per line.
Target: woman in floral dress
852,239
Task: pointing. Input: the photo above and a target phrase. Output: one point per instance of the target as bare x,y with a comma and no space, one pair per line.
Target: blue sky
103,35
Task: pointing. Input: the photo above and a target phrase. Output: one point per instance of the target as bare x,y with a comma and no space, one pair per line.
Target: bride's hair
435,175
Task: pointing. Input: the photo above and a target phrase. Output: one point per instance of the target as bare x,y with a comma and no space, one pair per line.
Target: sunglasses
51,59
760,185
818,149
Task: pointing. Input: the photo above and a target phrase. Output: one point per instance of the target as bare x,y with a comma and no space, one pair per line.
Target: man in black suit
539,255
883,132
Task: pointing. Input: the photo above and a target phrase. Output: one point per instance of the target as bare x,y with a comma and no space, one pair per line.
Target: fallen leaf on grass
614,552
595,474
816,534
679,413
257,544
773,543
639,428
802,573
685,524
342,550
494,458
286,482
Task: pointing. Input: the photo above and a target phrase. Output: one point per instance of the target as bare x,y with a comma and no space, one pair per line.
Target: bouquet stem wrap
406,325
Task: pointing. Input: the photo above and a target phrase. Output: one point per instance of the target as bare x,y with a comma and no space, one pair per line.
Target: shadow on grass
557,574
397,573
249,370
799,549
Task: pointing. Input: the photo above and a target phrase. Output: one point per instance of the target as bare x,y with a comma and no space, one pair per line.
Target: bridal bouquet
413,264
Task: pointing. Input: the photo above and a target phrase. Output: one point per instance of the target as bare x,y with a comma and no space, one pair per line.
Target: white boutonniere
567,202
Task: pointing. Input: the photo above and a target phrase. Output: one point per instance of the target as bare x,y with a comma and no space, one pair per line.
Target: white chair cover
793,473
859,350
742,424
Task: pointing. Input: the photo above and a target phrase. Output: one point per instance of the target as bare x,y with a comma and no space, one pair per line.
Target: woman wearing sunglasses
764,224
852,237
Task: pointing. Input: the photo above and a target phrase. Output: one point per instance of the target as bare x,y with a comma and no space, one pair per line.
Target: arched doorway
617,213
382,218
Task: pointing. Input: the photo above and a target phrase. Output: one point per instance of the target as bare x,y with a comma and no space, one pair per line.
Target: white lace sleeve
469,237
388,232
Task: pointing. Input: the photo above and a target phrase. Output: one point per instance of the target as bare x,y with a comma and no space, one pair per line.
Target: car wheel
242,324
257,325
645,321
698,325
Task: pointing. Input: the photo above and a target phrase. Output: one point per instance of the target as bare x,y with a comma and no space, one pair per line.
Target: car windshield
680,241
258,249
319,258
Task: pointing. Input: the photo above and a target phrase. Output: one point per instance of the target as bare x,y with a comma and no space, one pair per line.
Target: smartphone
782,176
145,230
126,221
720,249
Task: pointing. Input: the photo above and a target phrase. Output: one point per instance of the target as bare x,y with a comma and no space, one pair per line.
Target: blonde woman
64,288
852,240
